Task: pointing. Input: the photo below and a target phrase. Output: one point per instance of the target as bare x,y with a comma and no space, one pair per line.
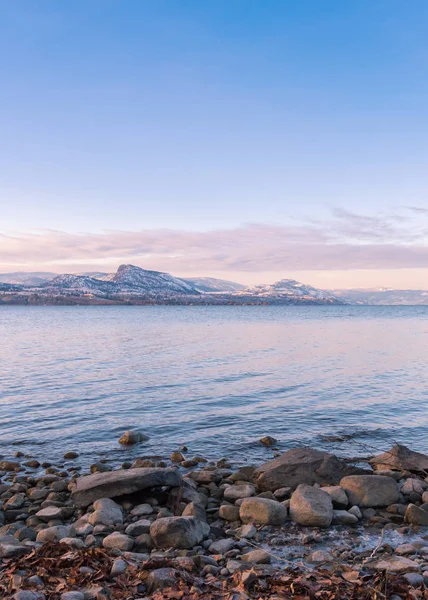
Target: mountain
151,282
290,288
384,297
212,285
20,277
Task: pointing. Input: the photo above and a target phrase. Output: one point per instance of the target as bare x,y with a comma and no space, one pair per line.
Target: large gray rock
117,483
370,490
262,511
311,507
10,547
400,458
301,465
106,512
178,532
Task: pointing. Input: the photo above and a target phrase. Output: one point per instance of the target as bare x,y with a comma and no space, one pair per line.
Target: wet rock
106,512
311,507
256,556
120,541
99,467
133,437
370,490
262,511
71,455
301,465
177,457
9,465
400,458
267,440
416,515
178,532
235,492
117,483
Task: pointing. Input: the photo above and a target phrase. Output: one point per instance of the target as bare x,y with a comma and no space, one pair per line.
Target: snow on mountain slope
153,282
211,284
289,288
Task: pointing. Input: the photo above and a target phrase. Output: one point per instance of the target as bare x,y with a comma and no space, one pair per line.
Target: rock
50,513
72,596
394,564
141,510
319,556
143,542
205,476
71,455
118,483
139,527
338,495
247,531
15,502
282,493
27,595
311,507
177,457
228,512
9,465
370,490
222,546
410,486
235,492
413,579
354,510
416,515
256,556
401,459
133,437
160,579
73,542
344,517
405,549
119,567
195,510
262,511
267,440
178,532
11,547
55,533
120,541
301,465
106,512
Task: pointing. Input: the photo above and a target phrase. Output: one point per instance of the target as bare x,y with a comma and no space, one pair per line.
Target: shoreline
193,525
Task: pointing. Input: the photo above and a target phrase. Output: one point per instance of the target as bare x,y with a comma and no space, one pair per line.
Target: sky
243,139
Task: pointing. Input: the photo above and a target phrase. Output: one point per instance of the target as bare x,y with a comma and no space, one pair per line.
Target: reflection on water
213,378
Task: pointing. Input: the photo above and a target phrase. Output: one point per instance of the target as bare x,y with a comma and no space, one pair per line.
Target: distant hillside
384,297
210,284
21,277
290,288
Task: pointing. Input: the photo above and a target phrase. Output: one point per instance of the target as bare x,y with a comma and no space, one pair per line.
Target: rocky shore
304,525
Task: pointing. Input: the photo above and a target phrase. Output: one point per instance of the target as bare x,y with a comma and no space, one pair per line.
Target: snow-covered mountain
289,288
23,278
384,297
152,282
212,285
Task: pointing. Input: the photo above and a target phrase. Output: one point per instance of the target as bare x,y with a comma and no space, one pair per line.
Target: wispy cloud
346,240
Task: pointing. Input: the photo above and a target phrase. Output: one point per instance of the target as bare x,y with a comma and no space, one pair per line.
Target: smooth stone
394,564
402,459
247,531
229,513
416,515
370,490
139,527
160,579
119,541
72,596
256,556
119,567
49,513
222,546
73,542
338,496
235,492
90,488
311,507
262,511
142,509
178,532
344,517
106,512
55,533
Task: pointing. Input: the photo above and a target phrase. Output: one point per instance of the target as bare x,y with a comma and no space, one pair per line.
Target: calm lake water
213,378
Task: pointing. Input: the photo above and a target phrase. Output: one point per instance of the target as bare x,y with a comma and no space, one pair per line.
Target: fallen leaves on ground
59,567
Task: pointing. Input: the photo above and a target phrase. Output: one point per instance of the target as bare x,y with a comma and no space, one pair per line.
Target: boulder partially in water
89,488
302,465
400,458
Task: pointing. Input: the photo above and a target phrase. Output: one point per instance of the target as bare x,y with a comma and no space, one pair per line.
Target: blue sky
153,119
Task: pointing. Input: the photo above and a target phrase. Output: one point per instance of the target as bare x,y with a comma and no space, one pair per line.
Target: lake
215,379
